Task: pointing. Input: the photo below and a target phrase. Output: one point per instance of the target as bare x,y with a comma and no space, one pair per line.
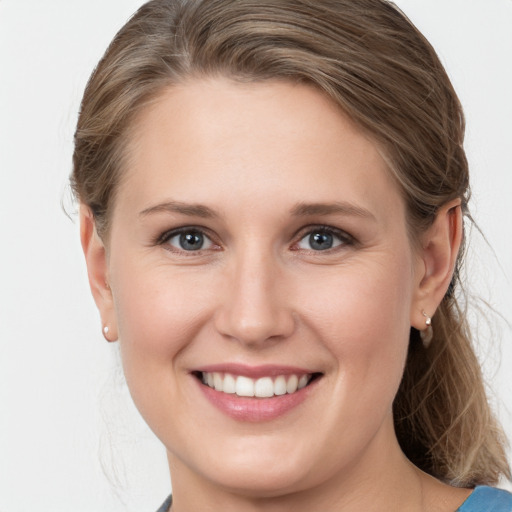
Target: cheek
158,316
158,313
150,300
364,320
362,300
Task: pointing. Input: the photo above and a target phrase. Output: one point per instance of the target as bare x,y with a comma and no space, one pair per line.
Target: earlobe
97,271
438,256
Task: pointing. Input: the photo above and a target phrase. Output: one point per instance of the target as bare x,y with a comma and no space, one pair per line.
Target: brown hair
371,60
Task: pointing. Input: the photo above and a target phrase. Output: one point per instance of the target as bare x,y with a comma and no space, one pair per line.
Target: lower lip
255,409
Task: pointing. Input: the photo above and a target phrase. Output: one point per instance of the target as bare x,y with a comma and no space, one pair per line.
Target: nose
255,308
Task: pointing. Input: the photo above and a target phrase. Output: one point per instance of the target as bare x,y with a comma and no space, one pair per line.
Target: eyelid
345,238
164,238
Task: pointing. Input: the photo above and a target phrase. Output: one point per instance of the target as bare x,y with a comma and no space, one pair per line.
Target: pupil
191,241
321,241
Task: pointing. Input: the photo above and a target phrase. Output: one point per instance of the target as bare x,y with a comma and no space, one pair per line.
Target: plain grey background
69,435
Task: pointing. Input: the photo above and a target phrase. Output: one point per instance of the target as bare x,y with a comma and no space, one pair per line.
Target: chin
264,470
262,482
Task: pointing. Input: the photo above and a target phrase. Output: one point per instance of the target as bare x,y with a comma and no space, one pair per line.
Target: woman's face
258,243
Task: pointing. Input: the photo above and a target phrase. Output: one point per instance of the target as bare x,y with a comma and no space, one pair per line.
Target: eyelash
165,238
343,238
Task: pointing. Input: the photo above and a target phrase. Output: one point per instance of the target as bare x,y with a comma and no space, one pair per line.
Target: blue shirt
487,499
482,499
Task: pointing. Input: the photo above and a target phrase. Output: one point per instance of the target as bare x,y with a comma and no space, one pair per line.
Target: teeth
292,384
244,386
280,385
264,387
218,382
229,384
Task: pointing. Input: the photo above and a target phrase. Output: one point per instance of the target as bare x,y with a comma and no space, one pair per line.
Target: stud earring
427,333
105,331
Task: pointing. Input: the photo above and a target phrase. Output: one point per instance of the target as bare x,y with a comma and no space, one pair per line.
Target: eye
187,239
323,239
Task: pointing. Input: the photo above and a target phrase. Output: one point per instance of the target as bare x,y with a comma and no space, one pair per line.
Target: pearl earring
427,333
105,333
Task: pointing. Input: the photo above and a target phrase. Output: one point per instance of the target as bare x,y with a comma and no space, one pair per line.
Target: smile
263,387
255,393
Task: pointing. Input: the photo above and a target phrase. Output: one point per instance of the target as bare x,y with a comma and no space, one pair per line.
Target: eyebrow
299,210
343,208
192,210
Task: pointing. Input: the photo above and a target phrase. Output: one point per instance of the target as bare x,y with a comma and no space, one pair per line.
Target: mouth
256,393
267,386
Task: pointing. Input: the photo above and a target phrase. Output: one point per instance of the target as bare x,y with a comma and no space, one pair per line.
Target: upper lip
266,370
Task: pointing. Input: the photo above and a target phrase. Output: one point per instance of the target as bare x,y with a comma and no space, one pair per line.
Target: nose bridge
255,308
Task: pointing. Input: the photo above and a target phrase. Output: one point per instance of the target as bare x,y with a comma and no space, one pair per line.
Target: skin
258,293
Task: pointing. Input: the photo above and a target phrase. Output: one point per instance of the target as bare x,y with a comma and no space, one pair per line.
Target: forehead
225,141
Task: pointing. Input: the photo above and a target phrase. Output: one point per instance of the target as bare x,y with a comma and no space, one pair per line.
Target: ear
437,257
97,269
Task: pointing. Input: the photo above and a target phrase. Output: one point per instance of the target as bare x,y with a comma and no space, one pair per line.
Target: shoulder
487,499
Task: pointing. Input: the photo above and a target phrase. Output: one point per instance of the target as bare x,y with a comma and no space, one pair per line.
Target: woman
272,199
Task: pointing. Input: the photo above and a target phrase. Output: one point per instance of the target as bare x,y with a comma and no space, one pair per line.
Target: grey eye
192,240
320,240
